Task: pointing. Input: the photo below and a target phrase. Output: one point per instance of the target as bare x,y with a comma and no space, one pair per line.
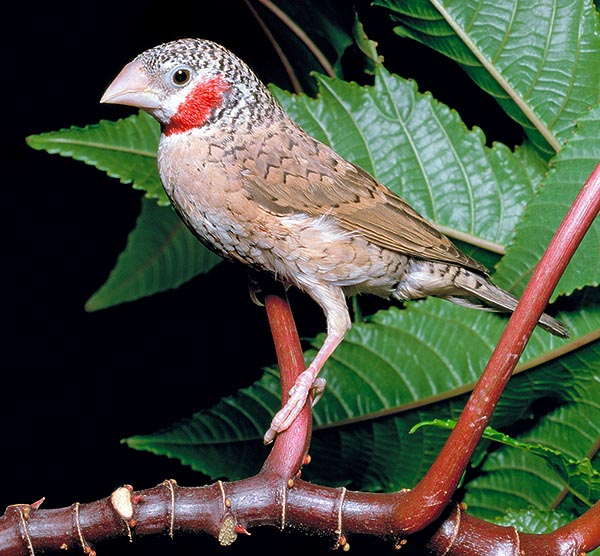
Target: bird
255,188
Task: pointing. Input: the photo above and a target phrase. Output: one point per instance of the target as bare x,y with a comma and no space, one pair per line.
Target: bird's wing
319,182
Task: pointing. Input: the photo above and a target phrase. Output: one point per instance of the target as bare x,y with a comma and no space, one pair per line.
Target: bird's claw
318,387
297,398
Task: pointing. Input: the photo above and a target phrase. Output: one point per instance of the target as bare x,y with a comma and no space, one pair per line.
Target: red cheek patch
197,106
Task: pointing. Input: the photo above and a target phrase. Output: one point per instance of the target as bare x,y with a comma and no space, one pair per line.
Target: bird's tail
480,293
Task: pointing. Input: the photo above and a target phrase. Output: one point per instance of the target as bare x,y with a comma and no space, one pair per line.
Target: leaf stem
472,239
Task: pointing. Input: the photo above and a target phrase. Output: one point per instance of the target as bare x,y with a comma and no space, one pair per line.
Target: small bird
256,188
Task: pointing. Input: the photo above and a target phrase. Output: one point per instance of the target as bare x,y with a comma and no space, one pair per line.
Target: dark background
76,383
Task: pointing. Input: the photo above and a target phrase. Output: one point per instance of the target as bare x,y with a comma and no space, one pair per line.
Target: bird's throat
195,110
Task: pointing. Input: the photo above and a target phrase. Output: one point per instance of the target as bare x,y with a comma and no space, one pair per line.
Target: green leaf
538,58
579,477
396,369
367,47
125,149
378,453
568,172
421,149
161,254
534,521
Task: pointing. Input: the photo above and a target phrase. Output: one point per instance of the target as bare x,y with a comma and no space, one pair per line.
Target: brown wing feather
313,179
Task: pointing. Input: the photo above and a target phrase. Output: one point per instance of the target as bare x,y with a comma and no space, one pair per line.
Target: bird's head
184,84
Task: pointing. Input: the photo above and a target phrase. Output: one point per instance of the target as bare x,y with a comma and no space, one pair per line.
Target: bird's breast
204,185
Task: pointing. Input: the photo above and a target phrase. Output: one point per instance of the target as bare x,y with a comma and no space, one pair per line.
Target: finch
256,188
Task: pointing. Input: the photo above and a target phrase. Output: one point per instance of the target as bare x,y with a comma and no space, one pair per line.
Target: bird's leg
338,323
306,381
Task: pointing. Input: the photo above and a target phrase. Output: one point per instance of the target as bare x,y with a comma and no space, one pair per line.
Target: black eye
181,76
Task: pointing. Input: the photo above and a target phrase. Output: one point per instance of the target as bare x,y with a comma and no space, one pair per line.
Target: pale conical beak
130,87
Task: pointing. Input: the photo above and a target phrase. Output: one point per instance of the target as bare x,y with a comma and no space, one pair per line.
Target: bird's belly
317,250
299,250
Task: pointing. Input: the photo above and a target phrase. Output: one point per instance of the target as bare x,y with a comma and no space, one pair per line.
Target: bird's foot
305,382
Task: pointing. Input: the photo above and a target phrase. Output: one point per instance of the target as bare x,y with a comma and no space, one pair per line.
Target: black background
75,383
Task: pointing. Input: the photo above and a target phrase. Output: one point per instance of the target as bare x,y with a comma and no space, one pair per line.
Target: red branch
290,450
441,480
277,496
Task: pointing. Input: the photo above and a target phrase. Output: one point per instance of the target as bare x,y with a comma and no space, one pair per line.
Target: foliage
396,368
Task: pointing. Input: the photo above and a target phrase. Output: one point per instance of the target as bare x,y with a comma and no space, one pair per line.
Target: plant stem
440,482
291,446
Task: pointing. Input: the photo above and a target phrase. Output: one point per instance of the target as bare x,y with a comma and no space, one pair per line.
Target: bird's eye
181,76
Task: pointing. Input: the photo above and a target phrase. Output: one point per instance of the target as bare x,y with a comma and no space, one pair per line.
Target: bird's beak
130,87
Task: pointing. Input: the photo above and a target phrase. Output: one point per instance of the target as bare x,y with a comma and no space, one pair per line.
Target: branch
440,482
277,496
279,51
225,510
297,30
291,448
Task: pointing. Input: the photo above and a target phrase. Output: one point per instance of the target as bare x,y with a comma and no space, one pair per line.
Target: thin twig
308,42
284,59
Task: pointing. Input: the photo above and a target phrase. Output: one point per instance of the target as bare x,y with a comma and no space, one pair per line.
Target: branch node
343,544
171,484
226,500
241,530
23,512
399,543
227,532
85,547
36,505
283,506
341,539
122,504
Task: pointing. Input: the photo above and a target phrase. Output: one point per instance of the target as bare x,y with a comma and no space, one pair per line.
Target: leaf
422,151
161,254
581,479
534,521
568,172
396,369
538,58
387,460
125,149
224,441
366,46
537,522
